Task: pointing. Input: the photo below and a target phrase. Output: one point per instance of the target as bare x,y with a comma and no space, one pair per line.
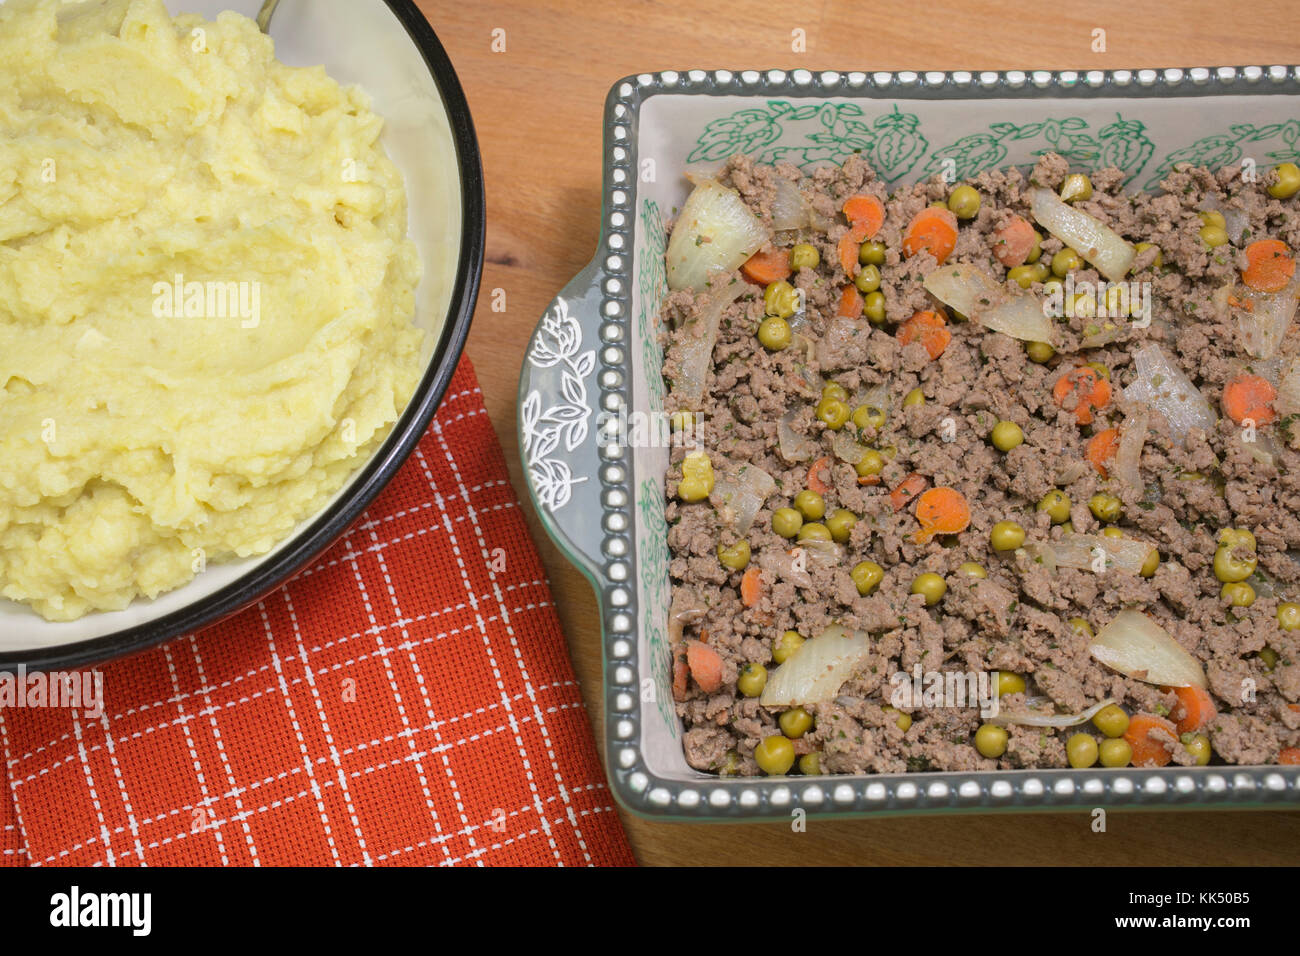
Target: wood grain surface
537,108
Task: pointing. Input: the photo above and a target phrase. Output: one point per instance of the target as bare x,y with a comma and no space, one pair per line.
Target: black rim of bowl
322,533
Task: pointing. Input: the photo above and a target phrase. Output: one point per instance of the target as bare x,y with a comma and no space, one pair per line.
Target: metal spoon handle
264,15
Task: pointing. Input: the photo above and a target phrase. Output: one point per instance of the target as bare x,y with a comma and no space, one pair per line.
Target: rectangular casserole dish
592,371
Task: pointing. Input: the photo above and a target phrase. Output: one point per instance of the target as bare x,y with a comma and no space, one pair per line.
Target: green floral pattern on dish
892,142
1227,149
652,556
652,280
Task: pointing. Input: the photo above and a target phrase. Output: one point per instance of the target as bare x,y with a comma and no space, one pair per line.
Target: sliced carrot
1091,390
1269,265
866,213
1290,756
941,511
1249,396
1145,735
705,664
1102,448
848,251
906,490
767,265
1247,304
815,481
1195,709
934,229
850,302
680,673
751,587
1014,241
928,329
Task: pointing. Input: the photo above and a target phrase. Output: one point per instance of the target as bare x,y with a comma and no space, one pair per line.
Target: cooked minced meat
991,598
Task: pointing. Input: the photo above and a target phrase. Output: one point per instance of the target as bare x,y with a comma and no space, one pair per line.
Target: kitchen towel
407,699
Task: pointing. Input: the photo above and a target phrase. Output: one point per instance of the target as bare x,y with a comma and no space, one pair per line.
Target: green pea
752,679
1288,616
914,398
780,299
1080,626
1115,752
833,412
873,307
871,415
786,522
1065,262
1268,657
1007,435
1199,747
785,645
840,524
1159,260
836,391
774,755
1036,250
1039,352
972,570
872,253
991,740
730,764
930,586
804,256
1287,181
1228,567
1027,275
795,722
1081,750
871,463
1213,236
867,279
1006,536
867,576
810,765
1212,217
1237,594
735,557
1151,564
774,334
1009,683
964,201
1102,370
1112,532
902,721
1111,720
814,532
1105,507
693,488
1076,188
1056,504
810,504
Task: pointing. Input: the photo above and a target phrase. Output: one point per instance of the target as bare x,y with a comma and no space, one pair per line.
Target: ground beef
1023,616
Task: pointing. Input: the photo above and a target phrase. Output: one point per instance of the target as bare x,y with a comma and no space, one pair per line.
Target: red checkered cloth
403,701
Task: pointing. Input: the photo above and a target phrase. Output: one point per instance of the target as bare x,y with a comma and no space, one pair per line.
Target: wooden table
537,107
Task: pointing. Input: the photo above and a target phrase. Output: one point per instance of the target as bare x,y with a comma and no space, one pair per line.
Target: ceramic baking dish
595,356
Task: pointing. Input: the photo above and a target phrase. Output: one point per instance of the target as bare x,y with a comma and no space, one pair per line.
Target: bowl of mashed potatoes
236,274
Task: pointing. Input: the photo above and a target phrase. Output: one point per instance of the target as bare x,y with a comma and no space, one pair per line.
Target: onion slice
793,446
1266,317
1029,718
1080,551
695,346
817,669
977,295
1161,384
1288,390
789,211
739,497
1138,647
1098,243
715,231
686,608
1132,438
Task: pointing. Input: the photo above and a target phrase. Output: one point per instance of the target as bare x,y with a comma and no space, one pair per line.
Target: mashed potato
206,297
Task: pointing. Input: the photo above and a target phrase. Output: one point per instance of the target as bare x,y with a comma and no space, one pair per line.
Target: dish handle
559,419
